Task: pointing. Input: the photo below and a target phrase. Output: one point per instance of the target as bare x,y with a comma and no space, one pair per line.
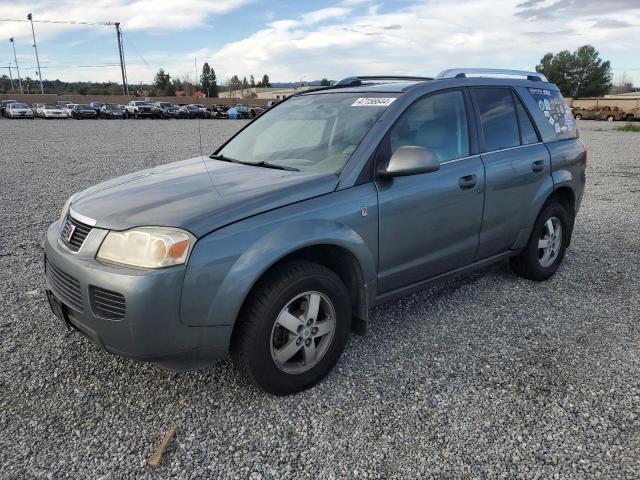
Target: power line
62,22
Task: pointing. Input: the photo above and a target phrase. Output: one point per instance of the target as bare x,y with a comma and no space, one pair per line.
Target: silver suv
275,247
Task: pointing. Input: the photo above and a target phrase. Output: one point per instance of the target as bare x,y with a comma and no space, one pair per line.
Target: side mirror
411,160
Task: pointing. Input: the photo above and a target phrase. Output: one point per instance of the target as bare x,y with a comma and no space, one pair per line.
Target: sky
308,40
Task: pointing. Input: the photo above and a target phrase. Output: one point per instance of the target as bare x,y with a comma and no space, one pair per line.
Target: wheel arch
334,245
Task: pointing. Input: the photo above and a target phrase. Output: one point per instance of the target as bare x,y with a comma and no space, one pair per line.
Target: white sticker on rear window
373,102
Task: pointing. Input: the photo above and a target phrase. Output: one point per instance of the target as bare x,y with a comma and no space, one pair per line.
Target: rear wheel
578,117
543,254
293,328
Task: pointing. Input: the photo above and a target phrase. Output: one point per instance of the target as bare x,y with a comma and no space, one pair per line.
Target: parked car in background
69,109
275,248
610,114
633,114
81,111
18,110
52,111
584,113
599,113
112,110
64,103
219,111
37,108
190,111
166,110
256,112
243,111
96,106
140,109
3,106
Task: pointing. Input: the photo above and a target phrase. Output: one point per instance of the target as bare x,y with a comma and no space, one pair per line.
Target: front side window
498,118
438,123
317,132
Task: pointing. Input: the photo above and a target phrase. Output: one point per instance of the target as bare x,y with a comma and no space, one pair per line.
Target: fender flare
273,247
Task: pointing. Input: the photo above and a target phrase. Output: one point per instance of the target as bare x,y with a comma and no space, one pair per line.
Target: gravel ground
487,376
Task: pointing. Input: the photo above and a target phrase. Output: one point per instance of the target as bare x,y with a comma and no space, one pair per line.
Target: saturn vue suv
274,248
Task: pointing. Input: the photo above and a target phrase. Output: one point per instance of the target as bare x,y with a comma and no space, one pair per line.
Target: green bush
629,127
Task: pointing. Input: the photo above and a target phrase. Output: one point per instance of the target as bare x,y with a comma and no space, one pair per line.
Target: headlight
147,247
65,209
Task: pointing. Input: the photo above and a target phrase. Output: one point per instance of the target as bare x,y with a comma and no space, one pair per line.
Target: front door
430,223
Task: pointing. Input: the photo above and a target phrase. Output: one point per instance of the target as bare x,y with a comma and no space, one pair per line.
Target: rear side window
498,118
527,130
556,112
436,122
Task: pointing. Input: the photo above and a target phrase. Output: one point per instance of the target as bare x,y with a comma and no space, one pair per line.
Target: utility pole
11,78
17,67
125,87
33,32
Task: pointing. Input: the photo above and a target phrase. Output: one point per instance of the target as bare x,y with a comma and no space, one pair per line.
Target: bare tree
622,84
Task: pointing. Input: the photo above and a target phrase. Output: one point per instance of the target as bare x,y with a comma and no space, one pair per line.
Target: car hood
199,195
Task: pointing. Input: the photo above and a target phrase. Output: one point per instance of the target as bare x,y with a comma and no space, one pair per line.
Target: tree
579,74
162,85
265,81
252,82
234,84
325,83
205,79
214,83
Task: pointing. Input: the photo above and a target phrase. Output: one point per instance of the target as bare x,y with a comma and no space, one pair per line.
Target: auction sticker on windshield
373,102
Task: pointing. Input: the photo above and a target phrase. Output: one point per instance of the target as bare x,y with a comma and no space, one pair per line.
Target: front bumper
150,329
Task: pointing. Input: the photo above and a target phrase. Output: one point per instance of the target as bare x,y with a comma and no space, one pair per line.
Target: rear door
430,223
517,168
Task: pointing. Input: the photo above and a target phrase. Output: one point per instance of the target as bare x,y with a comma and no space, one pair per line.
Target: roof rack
359,80
490,72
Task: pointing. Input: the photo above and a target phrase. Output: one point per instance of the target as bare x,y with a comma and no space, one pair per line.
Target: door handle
537,166
466,182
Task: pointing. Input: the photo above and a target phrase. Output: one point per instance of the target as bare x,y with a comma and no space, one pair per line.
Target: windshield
52,107
84,107
311,132
112,107
19,105
138,104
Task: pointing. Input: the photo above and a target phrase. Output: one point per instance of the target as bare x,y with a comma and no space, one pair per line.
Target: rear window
498,118
557,113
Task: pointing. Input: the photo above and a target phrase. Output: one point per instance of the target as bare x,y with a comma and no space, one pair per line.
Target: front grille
78,233
107,304
64,286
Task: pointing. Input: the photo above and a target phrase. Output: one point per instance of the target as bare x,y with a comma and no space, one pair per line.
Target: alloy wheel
550,242
302,332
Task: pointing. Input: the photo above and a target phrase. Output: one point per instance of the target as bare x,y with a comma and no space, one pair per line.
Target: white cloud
360,37
324,14
421,39
154,16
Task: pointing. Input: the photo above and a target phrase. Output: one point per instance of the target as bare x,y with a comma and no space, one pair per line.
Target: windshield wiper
261,163
225,159
264,164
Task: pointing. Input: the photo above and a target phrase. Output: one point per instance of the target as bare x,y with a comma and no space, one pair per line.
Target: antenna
195,86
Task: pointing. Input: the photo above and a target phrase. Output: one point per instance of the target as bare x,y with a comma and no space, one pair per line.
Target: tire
578,117
259,339
610,118
539,264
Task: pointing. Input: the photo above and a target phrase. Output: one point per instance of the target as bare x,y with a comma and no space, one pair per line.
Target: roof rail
359,80
490,72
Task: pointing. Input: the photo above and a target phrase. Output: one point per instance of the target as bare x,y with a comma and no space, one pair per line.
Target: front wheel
578,117
293,328
549,239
